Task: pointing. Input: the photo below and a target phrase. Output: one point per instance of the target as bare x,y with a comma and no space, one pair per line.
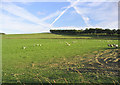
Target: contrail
86,19
64,12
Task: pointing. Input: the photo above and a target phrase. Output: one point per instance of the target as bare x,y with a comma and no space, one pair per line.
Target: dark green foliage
96,31
2,33
65,31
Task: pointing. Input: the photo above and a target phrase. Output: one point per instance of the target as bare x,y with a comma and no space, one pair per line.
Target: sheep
24,47
67,43
116,46
40,45
37,45
113,45
110,45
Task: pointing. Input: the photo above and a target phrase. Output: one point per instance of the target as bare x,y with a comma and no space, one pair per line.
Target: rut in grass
103,63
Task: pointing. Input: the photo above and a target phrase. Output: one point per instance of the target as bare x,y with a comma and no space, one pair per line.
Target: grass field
86,60
41,36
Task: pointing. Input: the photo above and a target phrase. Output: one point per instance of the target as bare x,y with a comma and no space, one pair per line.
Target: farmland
86,60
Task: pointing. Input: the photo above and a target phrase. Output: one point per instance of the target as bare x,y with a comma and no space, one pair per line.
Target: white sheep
116,46
67,43
110,45
24,47
37,44
40,45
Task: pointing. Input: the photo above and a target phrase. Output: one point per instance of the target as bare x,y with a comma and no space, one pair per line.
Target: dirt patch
102,62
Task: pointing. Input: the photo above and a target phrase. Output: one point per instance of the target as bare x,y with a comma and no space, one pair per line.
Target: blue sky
37,17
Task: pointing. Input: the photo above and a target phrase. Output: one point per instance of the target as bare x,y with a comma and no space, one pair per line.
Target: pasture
47,58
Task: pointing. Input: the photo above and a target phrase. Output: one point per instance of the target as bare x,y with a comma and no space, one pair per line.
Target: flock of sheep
33,45
113,45
68,44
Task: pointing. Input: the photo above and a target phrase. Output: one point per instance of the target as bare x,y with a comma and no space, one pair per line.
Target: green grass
41,35
55,36
52,61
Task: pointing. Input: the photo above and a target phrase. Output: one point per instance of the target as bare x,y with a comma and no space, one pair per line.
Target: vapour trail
64,12
86,19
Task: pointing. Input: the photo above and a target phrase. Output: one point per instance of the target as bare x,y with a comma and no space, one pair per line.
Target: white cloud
51,16
19,20
103,14
95,4
17,25
21,12
111,25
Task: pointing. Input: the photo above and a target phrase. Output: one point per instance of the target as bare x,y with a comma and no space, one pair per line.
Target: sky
38,17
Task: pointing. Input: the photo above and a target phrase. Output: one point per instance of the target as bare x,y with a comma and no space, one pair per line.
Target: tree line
2,33
98,31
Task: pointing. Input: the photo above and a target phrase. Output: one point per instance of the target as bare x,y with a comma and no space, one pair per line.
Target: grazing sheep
37,44
24,47
113,44
116,46
67,44
40,45
110,45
